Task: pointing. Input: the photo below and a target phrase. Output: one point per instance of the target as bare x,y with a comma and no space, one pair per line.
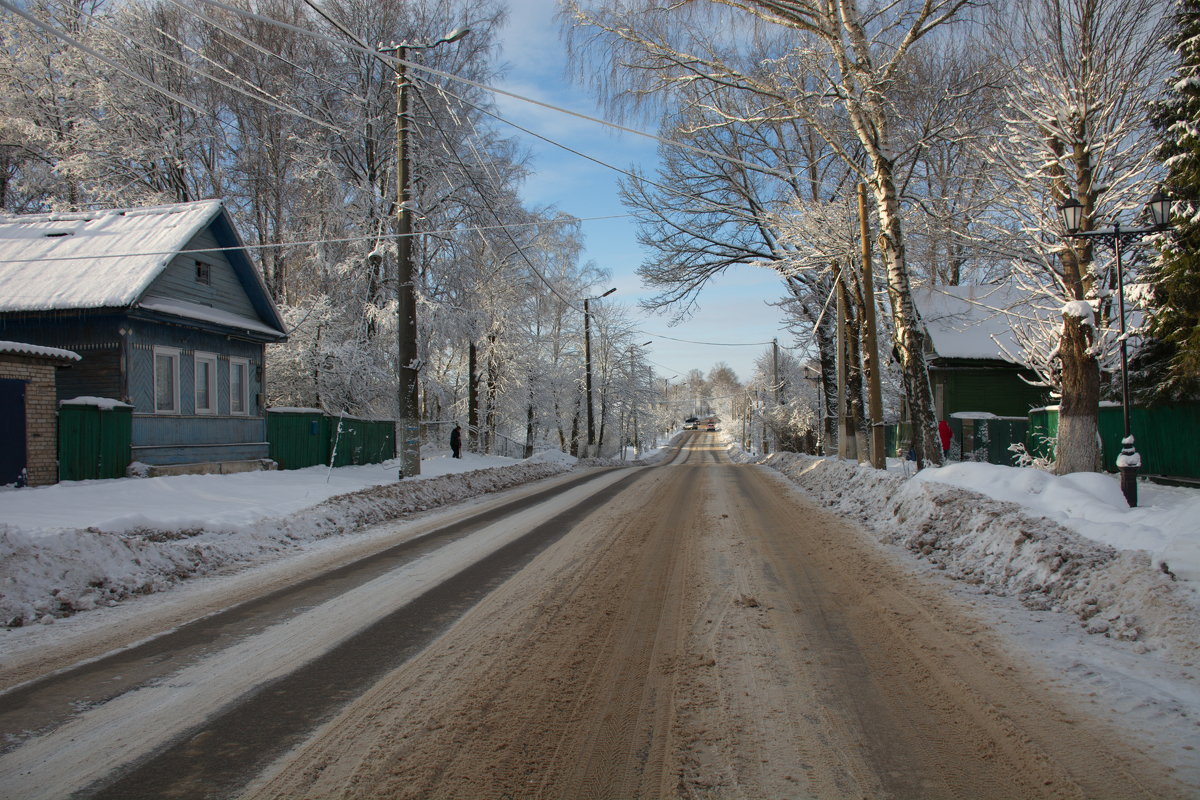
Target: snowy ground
1103,595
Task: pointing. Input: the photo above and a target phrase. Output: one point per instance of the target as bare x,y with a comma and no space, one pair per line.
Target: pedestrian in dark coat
456,441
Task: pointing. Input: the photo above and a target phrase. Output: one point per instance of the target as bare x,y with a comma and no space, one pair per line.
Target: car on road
691,424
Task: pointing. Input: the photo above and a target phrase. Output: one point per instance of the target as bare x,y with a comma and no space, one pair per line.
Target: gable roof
967,321
107,259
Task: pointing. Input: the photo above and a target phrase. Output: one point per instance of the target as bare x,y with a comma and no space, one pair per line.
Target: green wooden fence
1166,436
306,437
94,441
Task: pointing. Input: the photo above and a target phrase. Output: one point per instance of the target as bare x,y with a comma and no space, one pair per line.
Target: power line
81,46
496,90
306,243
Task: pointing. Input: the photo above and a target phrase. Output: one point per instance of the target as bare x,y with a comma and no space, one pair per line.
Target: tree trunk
908,335
493,395
472,398
1077,449
529,417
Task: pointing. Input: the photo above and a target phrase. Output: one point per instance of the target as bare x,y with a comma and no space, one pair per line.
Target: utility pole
871,348
408,361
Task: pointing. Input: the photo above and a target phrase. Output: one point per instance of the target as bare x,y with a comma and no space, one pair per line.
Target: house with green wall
968,345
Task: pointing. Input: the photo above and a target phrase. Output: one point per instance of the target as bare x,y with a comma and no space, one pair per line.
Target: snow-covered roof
92,259
966,321
21,348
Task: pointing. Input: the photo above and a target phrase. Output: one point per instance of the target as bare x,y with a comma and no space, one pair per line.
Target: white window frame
244,363
209,359
173,354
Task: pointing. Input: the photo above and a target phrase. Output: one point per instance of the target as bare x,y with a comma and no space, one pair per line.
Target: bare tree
841,75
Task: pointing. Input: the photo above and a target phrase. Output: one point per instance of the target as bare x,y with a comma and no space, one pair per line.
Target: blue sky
734,308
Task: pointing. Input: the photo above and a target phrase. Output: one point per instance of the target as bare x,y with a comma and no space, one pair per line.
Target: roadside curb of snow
90,568
997,548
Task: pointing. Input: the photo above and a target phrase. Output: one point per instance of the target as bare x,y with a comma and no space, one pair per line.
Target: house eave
250,333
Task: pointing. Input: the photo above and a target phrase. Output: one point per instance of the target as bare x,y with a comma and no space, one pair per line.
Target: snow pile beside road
1008,549
54,572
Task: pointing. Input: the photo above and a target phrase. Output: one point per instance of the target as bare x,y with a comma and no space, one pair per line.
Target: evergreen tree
1175,324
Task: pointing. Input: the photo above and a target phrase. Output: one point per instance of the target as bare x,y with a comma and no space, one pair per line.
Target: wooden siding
178,280
97,338
188,341
166,439
998,391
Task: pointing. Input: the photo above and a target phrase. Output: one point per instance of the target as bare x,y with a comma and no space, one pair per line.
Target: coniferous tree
1175,324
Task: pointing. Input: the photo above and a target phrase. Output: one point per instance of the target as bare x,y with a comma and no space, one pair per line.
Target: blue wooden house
168,313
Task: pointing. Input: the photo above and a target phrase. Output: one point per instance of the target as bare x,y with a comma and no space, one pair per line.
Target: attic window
203,273
57,234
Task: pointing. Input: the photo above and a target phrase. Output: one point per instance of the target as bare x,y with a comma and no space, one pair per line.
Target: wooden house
168,313
968,330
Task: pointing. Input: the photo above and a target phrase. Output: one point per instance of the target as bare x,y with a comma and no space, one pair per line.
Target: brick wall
41,414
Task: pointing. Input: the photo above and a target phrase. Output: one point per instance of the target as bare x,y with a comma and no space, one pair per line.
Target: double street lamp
1074,218
587,361
407,355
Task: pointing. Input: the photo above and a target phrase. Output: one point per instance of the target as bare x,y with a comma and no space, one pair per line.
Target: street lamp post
407,354
1116,237
587,361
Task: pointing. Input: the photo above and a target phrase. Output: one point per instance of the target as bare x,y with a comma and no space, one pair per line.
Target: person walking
947,436
456,441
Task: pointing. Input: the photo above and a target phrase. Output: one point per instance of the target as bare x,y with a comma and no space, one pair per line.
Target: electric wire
265,97
273,101
304,243
259,48
102,58
496,90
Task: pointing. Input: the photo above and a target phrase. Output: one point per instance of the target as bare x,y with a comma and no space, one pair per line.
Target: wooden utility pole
870,346
847,444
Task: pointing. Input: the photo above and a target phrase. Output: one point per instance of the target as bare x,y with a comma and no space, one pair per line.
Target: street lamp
1115,237
408,362
587,360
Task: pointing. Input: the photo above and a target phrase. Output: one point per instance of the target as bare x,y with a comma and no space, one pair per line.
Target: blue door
12,431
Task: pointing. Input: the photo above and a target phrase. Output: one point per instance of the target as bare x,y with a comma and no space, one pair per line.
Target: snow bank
1006,548
54,572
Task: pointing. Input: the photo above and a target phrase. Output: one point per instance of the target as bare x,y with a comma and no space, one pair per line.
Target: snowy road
325,639
696,630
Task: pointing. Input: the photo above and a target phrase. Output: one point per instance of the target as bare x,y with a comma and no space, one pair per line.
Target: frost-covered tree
840,73
1074,125
1176,277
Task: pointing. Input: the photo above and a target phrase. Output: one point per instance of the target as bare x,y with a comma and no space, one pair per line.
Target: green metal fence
306,438
94,441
